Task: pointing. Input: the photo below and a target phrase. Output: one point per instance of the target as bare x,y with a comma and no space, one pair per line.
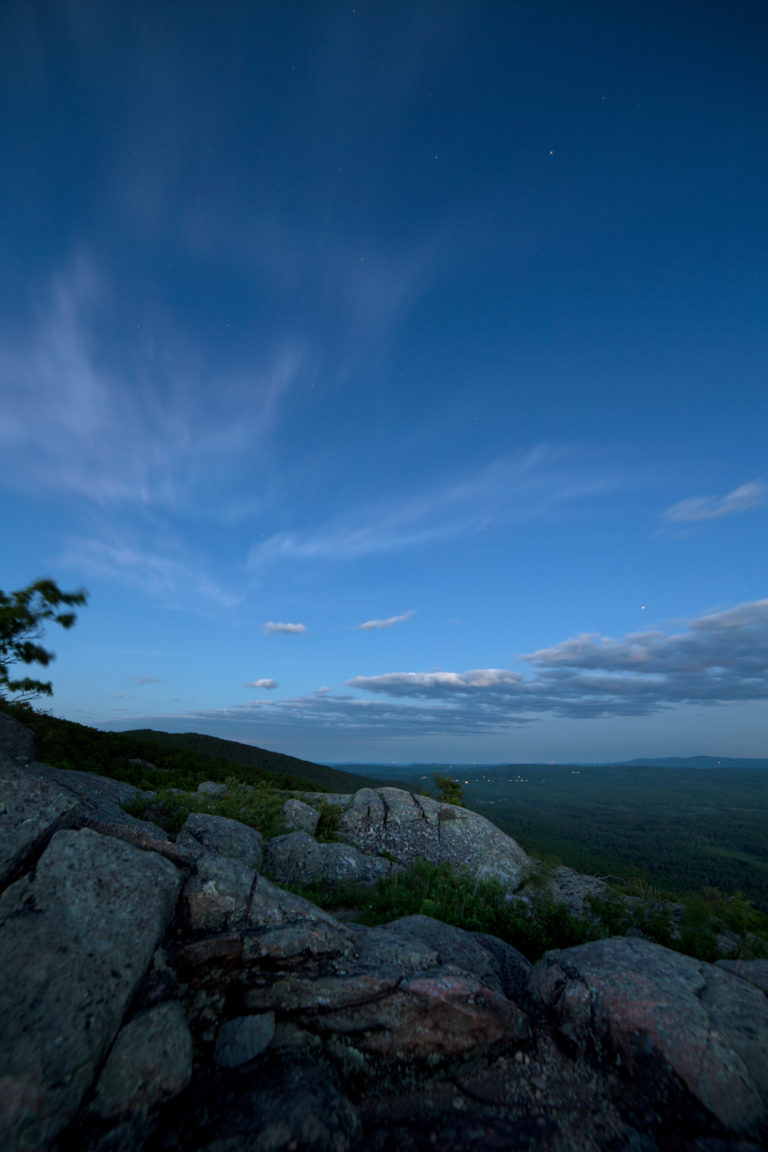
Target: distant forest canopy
678,828
703,762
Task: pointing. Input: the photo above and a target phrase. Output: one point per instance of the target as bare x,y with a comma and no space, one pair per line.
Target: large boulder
203,832
76,940
150,1061
101,808
298,815
391,821
217,895
31,810
296,858
498,965
687,1030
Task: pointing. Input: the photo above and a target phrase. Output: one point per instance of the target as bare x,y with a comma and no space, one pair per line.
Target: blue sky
393,375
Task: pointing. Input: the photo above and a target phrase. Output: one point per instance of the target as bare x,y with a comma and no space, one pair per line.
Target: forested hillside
146,758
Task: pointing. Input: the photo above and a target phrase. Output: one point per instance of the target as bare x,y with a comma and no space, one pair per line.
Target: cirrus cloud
741,499
273,626
370,625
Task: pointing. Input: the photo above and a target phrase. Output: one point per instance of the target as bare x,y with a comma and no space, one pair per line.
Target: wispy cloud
138,680
741,499
272,626
142,425
166,570
527,486
370,625
265,682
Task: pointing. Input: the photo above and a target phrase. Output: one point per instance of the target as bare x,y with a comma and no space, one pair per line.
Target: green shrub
449,791
477,905
330,817
258,806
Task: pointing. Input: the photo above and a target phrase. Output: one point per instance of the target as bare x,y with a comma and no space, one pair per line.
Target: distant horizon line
637,760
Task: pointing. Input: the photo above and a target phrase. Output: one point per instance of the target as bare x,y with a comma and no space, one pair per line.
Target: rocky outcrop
572,889
77,937
160,996
297,858
203,833
694,1033
392,822
300,816
385,827
28,817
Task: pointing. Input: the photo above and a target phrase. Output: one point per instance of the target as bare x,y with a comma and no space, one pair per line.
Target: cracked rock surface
687,1028
390,820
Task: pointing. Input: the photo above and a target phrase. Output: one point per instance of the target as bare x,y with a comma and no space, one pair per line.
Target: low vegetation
709,926
456,898
449,791
259,806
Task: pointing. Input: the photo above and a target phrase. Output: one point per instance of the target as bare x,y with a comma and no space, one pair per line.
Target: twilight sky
393,374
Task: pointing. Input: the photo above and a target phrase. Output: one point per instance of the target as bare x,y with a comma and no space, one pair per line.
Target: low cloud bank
717,658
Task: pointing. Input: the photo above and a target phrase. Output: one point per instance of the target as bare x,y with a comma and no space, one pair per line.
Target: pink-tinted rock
675,1023
323,993
443,1013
